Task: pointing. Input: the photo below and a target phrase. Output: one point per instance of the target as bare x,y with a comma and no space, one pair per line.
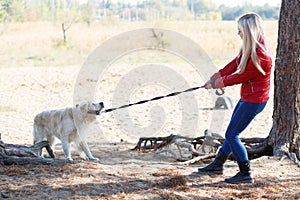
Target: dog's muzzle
99,107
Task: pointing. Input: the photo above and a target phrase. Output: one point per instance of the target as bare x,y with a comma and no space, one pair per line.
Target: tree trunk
284,135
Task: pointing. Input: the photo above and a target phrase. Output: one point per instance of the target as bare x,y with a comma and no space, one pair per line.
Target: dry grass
41,43
6,109
154,179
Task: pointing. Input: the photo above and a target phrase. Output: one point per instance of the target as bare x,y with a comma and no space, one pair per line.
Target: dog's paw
94,159
70,161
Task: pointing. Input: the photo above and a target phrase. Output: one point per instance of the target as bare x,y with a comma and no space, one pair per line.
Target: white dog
68,125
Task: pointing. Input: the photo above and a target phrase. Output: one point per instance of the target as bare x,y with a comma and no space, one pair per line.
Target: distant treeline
125,10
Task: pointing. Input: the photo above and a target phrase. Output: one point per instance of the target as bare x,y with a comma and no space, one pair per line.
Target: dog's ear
84,107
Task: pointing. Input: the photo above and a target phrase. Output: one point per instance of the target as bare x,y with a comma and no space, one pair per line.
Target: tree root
256,147
199,158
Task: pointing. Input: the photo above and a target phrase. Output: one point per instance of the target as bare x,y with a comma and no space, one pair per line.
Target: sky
253,2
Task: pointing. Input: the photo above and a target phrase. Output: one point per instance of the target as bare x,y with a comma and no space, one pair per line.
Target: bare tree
64,30
285,133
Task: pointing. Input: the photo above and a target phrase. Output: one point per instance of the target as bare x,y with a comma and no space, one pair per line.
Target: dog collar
94,112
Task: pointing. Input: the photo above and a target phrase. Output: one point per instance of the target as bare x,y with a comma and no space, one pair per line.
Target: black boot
215,166
244,176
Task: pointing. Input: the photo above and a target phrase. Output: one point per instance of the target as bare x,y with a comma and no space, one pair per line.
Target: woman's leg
226,147
239,121
216,166
241,118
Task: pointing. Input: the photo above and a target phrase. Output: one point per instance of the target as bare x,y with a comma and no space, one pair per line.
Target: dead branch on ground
256,147
11,154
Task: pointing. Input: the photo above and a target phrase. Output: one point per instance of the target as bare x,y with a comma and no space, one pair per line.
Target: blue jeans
243,114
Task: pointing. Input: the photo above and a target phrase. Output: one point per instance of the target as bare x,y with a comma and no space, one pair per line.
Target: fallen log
14,160
15,154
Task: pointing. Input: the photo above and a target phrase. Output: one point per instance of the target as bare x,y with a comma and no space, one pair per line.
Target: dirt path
121,173
124,174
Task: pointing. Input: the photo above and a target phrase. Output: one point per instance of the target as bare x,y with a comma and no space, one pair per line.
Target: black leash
218,92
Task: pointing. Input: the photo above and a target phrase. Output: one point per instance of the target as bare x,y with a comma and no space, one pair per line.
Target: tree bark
15,154
284,135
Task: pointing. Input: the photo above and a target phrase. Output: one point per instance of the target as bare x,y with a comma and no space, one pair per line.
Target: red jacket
255,86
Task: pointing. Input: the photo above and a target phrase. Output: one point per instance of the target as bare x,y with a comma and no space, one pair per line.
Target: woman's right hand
208,85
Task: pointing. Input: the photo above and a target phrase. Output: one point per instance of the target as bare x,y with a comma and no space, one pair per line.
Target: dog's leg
79,148
84,148
66,147
87,151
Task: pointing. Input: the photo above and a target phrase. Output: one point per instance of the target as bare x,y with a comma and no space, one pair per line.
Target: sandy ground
121,173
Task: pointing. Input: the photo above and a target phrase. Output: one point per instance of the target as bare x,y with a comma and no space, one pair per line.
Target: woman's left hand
218,83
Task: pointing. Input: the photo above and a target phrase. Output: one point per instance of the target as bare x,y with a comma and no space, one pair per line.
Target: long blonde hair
250,25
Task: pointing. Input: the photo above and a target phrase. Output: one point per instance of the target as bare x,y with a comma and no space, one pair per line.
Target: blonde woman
252,69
